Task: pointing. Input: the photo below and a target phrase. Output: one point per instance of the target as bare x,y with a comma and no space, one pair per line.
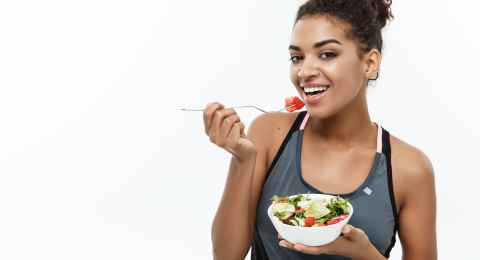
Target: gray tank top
373,201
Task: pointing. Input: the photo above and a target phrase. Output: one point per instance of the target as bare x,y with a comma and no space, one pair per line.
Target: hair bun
383,11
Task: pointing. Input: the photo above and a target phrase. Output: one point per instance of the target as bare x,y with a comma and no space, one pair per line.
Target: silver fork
250,106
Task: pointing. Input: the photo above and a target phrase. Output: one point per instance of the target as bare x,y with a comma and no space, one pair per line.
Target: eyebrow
316,45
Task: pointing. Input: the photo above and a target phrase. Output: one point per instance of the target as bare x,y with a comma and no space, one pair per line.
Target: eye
327,55
295,58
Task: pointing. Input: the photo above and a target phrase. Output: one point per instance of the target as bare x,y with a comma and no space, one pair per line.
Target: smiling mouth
310,91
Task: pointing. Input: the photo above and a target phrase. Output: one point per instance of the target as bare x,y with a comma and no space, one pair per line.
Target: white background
97,162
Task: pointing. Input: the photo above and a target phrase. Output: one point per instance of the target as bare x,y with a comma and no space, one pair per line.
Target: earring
373,82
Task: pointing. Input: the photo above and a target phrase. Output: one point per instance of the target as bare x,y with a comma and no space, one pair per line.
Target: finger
234,135
347,229
208,113
313,250
218,118
242,130
280,237
227,125
351,233
286,244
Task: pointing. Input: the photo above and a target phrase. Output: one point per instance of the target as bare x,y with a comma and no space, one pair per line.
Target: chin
320,112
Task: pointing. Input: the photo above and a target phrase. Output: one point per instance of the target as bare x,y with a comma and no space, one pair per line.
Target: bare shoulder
411,167
268,130
414,188
409,159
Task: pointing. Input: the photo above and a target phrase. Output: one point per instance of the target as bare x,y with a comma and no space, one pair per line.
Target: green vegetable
338,206
294,200
294,222
283,215
277,199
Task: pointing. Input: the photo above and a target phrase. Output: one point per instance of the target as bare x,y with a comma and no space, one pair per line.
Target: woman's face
325,66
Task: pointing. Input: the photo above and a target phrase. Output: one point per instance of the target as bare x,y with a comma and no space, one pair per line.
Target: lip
315,99
313,85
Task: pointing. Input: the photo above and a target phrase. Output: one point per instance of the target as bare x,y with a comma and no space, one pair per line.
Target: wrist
244,164
246,159
370,253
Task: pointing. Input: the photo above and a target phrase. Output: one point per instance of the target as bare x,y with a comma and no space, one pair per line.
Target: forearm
232,227
371,253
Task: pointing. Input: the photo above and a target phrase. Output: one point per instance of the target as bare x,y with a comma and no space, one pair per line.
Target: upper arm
257,133
265,132
417,216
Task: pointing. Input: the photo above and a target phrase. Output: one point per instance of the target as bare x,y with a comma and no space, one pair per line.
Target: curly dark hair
366,18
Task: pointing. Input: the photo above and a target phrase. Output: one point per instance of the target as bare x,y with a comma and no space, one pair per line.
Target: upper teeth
321,88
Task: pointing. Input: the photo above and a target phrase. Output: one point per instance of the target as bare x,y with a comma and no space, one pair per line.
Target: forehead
310,30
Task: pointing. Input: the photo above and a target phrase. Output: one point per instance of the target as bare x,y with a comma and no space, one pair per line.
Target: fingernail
347,229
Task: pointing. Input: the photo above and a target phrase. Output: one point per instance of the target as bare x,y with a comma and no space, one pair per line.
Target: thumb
350,232
242,130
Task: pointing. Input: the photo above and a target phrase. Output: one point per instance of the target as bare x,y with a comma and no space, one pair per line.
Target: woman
331,148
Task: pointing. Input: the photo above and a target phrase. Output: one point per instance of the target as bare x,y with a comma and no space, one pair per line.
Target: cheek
294,75
345,75
295,81
332,72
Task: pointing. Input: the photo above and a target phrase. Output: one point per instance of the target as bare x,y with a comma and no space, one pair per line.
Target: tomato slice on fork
293,103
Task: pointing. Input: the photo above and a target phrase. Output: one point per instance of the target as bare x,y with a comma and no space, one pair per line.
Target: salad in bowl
310,219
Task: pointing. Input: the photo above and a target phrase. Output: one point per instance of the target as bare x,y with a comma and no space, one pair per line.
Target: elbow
223,253
226,249
218,248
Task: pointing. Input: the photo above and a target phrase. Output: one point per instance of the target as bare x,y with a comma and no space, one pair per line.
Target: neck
350,126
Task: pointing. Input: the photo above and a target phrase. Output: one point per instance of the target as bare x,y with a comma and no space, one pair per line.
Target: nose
308,69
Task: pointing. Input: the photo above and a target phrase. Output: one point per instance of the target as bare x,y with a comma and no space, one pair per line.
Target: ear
372,63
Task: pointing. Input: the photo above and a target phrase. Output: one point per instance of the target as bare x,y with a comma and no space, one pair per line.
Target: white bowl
310,236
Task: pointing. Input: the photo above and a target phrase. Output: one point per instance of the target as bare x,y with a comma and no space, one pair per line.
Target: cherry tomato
336,219
309,221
